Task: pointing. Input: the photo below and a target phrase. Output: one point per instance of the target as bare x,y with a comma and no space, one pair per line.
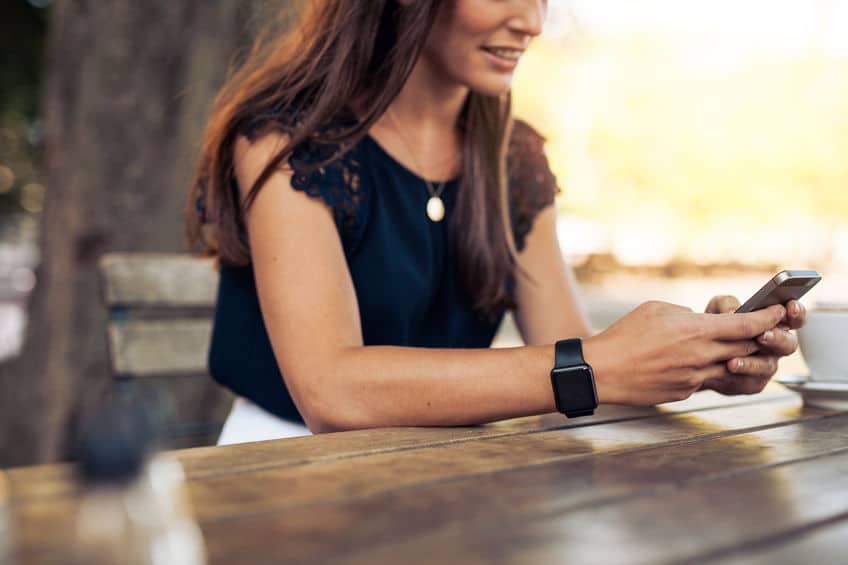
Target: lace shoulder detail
323,170
532,185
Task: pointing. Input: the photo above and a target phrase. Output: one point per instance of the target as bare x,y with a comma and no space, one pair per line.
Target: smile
504,53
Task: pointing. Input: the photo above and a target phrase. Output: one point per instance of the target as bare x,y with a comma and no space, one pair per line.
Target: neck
428,102
420,126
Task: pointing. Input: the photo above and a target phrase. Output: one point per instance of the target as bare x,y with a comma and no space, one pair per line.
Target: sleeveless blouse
402,265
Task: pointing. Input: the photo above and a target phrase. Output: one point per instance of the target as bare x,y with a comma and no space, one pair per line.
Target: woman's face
478,43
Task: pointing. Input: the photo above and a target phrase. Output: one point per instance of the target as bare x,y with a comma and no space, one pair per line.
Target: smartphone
785,286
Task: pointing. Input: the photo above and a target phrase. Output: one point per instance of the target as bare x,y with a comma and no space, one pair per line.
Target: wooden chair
160,324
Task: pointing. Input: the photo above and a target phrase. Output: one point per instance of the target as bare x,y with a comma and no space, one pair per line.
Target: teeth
512,54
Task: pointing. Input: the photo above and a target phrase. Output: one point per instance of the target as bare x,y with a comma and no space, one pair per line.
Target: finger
721,385
736,384
725,350
722,304
705,374
665,306
745,326
764,366
796,314
780,342
711,372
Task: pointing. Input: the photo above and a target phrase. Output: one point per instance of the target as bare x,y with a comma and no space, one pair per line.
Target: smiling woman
376,210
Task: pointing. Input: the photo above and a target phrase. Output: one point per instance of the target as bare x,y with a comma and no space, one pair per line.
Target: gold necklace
435,205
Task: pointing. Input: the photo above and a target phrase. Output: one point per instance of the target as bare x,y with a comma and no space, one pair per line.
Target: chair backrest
160,323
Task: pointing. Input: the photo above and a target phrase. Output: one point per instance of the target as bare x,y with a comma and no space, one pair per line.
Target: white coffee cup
824,341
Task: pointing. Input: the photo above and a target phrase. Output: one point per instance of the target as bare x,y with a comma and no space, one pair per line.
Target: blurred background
701,146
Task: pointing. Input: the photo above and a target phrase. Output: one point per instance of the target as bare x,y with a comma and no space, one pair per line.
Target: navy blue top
402,264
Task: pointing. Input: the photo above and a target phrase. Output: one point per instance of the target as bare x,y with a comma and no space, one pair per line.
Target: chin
492,86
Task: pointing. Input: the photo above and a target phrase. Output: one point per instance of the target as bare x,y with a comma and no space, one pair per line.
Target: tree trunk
127,91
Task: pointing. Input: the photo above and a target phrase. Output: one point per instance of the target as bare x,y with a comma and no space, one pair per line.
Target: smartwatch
573,380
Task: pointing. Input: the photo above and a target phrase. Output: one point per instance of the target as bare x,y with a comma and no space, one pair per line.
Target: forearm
377,386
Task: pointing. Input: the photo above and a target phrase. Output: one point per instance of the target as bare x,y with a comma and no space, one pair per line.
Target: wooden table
742,480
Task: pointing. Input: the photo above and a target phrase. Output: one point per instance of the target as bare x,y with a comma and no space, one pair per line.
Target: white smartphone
785,286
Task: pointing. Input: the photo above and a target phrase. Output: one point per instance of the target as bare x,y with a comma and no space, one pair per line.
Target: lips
506,53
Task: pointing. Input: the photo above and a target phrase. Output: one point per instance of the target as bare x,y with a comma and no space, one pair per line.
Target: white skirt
248,422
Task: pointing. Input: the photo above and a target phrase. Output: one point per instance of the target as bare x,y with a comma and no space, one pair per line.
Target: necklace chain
434,193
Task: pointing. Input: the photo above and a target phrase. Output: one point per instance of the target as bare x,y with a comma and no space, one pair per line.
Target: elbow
319,416
327,405
319,425
324,416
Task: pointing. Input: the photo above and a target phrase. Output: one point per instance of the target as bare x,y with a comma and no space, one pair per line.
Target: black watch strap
578,413
569,352
573,380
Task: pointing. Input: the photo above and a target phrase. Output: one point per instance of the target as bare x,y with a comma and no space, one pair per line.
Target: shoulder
324,170
252,154
527,163
525,138
316,157
532,184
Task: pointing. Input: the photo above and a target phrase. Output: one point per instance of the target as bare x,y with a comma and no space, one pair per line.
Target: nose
529,17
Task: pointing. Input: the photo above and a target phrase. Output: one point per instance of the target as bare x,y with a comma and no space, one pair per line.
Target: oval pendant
435,209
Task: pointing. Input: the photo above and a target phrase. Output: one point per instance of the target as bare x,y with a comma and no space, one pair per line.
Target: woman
376,211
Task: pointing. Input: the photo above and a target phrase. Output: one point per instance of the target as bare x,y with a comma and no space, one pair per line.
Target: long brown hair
362,52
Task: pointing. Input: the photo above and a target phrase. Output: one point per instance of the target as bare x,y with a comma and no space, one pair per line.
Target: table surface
755,479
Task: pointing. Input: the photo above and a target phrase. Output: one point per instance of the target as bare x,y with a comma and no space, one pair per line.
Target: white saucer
832,395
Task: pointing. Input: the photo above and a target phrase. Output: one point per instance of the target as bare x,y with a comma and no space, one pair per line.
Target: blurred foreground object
133,508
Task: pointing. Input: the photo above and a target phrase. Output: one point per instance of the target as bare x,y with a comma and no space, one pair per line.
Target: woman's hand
662,352
749,375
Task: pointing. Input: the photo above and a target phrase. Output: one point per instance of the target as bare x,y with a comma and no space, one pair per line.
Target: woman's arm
310,311
311,314
548,308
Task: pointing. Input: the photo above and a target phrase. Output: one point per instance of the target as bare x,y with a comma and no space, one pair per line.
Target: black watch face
575,388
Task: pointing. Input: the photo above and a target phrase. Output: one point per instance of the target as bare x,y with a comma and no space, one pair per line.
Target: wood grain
257,500
289,487
331,527
825,543
706,479
299,451
634,500
5,521
56,480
